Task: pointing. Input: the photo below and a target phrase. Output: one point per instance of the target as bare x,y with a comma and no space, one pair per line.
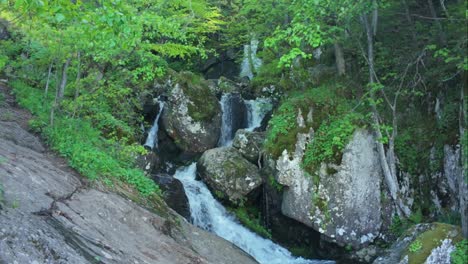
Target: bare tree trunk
442,37
60,91
63,82
78,77
49,73
463,181
339,59
387,160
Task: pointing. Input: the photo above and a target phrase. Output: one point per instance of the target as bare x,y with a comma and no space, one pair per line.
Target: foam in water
250,60
207,213
256,111
152,139
226,131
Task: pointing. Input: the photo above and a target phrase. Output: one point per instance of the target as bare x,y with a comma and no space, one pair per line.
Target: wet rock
173,194
228,173
249,144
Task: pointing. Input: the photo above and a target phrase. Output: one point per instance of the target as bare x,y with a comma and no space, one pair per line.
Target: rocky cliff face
344,201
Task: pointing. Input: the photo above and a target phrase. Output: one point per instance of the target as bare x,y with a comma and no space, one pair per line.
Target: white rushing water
226,122
250,61
207,213
152,139
256,111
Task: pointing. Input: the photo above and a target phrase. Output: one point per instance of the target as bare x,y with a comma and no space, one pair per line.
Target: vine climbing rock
192,117
343,202
228,173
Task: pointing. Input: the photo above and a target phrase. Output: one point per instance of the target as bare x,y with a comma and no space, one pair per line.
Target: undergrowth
78,140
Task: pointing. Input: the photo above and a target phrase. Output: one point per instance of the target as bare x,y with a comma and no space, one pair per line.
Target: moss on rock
429,240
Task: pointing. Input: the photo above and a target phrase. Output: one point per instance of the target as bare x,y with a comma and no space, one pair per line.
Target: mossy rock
421,247
203,103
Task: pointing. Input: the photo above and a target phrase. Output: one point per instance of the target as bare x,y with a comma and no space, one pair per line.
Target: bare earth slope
47,215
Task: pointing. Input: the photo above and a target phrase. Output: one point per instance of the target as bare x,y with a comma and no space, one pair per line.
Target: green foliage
329,141
275,184
460,255
415,246
326,105
251,218
82,144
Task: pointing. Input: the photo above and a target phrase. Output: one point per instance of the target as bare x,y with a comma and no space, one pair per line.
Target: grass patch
83,145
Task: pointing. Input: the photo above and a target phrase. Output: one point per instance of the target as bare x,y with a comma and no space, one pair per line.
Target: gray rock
249,144
13,132
228,173
189,134
441,254
395,253
50,217
173,194
345,206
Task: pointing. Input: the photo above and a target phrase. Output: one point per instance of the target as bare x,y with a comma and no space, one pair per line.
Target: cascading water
152,139
207,213
250,62
226,124
256,111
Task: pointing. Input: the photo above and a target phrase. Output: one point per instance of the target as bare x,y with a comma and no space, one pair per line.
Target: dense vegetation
398,68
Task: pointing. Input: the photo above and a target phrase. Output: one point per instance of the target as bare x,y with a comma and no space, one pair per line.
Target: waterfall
226,124
250,61
152,139
207,213
256,111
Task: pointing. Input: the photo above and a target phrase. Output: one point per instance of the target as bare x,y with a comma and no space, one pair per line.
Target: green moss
203,104
420,249
251,218
329,141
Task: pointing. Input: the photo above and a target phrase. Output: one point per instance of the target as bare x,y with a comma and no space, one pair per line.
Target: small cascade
207,213
234,117
152,139
256,111
226,124
250,62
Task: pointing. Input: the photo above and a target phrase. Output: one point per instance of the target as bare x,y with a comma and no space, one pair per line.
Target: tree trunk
339,59
60,91
463,181
442,37
63,82
387,160
49,73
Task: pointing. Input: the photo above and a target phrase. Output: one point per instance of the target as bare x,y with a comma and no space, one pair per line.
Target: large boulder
343,202
228,173
192,117
249,144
